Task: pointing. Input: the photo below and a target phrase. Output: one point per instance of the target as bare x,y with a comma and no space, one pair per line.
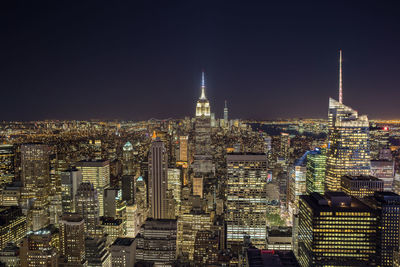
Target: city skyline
136,62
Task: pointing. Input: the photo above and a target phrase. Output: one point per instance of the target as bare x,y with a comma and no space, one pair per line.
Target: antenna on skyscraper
203,86
340,78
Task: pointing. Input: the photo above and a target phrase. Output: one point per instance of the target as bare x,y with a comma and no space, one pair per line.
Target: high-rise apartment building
98,173
72,239
348,148
246,198
158,179
316,168
336,230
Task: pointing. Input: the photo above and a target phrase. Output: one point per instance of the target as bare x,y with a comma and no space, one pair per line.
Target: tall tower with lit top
202,156
348,141
203,105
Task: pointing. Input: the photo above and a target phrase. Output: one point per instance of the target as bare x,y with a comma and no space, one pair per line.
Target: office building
189,224
98,173
158,179
348,149
206,247
7,164
336,230
70,181
246,199
128,187
387,206
35,176
72,239
385,171
279,238
361,186
284,146
87,205
97,254
156,242
123,252
316,168
198,185
175,186
128,159
296,186
9,256
12,225
40,248
183,148
112,228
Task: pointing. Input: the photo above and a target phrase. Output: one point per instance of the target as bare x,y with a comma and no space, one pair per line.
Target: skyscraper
72,239
246,199
35,165
127,159
387,206
87,205
70,181
316,168
98,173
7,162
348,150
348,137
202,157
226,114
158,183
183,148
336,230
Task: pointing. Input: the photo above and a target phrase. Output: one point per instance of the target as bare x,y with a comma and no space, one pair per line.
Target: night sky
138,60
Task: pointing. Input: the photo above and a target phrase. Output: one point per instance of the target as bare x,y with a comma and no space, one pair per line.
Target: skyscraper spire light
203,86
340,78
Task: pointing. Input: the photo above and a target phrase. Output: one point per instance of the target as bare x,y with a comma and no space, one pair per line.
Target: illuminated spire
340,78
226,104
154,135
203,86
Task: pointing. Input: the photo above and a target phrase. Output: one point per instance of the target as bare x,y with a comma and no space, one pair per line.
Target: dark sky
143,59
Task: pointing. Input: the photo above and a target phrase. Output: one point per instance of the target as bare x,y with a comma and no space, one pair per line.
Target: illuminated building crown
203,105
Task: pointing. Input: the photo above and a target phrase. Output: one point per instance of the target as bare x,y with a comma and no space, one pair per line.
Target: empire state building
202,158
203,105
